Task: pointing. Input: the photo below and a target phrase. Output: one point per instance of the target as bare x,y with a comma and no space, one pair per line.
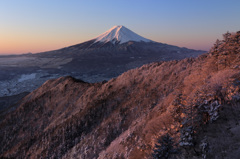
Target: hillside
195,101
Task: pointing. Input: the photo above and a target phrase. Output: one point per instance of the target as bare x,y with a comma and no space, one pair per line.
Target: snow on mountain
120,34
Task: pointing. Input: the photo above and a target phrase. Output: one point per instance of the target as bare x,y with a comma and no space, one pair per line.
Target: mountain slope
122,118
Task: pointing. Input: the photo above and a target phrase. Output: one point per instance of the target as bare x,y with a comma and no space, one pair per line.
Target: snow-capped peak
120,34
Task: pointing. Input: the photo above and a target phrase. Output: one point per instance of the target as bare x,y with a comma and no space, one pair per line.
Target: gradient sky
43,25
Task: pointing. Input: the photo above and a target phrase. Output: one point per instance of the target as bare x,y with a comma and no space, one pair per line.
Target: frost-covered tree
226,36
164,148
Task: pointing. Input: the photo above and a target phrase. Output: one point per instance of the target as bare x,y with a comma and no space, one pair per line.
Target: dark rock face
124,117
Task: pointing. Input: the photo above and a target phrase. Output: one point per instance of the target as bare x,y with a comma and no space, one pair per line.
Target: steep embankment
122,118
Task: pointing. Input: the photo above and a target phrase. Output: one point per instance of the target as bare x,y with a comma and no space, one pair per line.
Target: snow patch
120,34
25,77
23,84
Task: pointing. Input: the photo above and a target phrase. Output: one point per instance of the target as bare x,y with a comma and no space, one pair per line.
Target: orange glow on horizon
20,45
26,44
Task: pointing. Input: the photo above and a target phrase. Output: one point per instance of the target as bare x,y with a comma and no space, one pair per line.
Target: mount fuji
116,51
113,37
119,35
121,40
102,58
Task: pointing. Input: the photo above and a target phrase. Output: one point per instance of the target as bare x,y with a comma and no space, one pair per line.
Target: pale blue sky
34,26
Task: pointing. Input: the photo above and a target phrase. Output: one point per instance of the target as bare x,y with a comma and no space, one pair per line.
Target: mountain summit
120,34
